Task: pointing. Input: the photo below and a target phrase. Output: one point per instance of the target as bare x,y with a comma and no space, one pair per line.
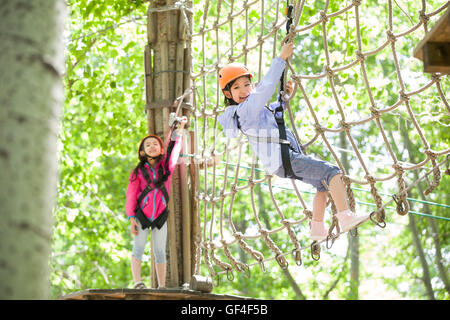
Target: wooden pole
149,88
149,97
195,231
167,74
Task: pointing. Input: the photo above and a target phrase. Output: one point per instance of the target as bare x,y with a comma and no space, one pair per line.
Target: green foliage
102,123
104,119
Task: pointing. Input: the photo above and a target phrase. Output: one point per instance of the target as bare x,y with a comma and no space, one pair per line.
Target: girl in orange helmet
147,198
274,144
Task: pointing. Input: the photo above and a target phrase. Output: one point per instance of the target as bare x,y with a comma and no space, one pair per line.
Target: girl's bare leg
337,190
136,269
319,204
161,274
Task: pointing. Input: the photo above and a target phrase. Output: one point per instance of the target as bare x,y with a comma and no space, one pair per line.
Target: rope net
339,96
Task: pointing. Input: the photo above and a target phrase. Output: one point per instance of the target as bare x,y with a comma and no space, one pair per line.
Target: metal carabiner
230,275
315,251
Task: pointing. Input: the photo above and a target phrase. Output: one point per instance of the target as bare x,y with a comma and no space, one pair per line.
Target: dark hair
230,101
143,161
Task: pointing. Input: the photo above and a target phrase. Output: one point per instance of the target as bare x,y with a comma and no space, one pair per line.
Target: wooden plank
439,33
436,57
151,26
148,294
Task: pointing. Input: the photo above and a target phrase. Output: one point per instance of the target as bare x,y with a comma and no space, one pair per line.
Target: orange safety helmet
150,136
231,72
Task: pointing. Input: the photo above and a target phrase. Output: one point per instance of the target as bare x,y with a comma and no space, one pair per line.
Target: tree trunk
31,95
423,261
434,230
437,245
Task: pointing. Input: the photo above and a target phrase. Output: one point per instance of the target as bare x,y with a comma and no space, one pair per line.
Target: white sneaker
348,220
139,285
318,231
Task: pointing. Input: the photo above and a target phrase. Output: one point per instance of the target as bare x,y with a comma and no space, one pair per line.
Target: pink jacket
154,203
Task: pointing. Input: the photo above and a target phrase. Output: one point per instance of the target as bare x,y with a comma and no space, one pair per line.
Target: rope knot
231,58
356,2
398,168
216,112
285,223
323,16
360,56
431,154
375,112
260,40
328,71
370,179
346,180
391,36
423,17
264,232
319,128
403,96
344,125
436,77
245,50
308,213
296,78
238,235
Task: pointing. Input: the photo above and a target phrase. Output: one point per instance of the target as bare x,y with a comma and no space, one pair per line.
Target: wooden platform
434,49
148,294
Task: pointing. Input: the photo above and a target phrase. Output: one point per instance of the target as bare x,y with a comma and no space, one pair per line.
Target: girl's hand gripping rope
174,120
286,50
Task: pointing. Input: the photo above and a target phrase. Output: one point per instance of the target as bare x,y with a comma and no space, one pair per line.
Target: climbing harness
163,174
279,115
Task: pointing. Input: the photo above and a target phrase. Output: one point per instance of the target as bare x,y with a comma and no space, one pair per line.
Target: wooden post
195,231
167,76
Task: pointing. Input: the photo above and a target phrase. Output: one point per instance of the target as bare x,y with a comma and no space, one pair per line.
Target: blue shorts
310,170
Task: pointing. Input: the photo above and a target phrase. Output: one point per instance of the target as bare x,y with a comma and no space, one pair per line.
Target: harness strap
279,114
285,144
285,157
158,184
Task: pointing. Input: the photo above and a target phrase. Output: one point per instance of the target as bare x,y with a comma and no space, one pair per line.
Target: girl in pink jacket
147,198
